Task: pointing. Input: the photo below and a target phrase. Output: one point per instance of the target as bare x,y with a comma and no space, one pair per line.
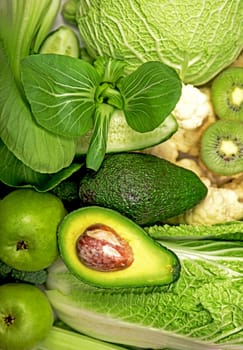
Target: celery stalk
62,339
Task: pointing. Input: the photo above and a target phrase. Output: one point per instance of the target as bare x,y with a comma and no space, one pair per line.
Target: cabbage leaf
197,38
231,230
202,310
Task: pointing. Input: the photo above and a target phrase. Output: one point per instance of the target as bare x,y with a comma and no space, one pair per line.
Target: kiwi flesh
222,147
227,94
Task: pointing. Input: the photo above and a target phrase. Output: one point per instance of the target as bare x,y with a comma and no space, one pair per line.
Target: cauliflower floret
236,184
193,107
183,141
187,140
167,150
220,205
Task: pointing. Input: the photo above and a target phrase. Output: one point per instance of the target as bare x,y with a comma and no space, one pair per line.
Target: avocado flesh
153,264
145,188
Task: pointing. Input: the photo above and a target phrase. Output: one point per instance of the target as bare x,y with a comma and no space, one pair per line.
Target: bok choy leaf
21,22
69,96
17,174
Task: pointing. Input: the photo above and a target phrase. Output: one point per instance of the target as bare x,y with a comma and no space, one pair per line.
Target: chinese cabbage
202,310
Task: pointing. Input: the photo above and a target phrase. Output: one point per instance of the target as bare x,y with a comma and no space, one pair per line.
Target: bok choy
24,145
69,96
202,310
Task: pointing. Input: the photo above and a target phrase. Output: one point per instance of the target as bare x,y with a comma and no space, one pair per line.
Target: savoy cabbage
197,38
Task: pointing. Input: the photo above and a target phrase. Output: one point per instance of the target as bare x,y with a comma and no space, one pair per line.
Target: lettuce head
197,38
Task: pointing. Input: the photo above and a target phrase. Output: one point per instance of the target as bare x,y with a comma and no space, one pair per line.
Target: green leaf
201,309
34,146
46,24
150,94
16,174
98,143
109,69
232,230
61,92
23,24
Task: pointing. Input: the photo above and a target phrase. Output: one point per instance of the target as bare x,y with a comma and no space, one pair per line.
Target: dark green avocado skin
143,187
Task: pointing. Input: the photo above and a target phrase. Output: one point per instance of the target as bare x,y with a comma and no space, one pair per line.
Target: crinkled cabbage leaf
197,38
202,310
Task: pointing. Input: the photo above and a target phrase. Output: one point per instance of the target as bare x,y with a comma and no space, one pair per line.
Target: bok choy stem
97,146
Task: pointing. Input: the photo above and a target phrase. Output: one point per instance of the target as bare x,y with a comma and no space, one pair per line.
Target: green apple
28,229
26,316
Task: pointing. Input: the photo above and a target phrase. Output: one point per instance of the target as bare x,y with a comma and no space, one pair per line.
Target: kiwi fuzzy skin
227,94
222,147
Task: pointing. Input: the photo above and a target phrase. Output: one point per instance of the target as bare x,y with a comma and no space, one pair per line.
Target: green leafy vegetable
21,23
69,96
149,94
61,92
196,38
202,310
17,174
23,26
45,24
226,231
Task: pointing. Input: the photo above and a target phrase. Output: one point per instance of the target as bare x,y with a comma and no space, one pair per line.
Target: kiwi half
222,147
227,94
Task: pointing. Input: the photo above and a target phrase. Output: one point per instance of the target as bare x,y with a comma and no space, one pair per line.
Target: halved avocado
148,263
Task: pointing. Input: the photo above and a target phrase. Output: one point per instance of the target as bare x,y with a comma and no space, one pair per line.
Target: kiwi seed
227,94
222,147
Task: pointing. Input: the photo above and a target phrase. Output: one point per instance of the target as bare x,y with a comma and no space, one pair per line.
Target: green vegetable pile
86,258
42,90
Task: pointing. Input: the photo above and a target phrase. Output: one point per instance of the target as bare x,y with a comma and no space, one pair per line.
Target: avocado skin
143,187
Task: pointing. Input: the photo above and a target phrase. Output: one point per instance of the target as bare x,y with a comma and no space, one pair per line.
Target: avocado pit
101,248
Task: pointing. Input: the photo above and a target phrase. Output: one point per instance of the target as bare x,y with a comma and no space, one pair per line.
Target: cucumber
63,41
121,137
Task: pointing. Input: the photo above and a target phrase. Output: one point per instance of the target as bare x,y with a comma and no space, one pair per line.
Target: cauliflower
236,184
184,141
223,202
193,107
167,150
220,205
194,112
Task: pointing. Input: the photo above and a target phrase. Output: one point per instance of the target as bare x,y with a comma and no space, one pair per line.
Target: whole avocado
143,187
